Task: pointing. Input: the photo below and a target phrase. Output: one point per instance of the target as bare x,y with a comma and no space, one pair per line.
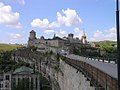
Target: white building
9,81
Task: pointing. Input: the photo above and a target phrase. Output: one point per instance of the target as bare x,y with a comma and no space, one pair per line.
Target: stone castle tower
83,39
32,38
32,35
70,36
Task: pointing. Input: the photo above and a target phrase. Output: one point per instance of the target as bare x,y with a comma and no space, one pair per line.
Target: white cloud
98,34
44,24
15,36
54,25
1,4
48,31
15,26
109,34
22,2
78,32
8,17
61,33
69,18
40,23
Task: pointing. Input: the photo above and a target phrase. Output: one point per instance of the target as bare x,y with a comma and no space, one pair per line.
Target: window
1,85
7,77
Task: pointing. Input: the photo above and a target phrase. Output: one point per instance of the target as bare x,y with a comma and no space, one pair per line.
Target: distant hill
102,44
9,47
107,42
107,46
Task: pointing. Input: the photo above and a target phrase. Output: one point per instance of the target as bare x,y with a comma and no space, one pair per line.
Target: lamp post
118,41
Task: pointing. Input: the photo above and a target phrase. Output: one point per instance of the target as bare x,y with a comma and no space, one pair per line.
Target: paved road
108,68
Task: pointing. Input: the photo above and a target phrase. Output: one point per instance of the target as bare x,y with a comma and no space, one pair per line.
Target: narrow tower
83,39
70,36
32,35
32,38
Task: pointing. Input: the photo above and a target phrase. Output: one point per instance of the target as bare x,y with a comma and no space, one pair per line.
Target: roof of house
23,70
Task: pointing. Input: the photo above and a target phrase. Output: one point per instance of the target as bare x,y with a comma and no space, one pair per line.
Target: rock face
61,75
66,78
72,79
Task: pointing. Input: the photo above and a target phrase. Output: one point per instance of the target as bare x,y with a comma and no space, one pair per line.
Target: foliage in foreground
7,64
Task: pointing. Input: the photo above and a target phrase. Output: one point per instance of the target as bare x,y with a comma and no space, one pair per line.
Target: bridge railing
97,78
106,60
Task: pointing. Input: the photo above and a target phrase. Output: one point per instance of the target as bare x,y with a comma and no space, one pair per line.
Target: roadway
108,68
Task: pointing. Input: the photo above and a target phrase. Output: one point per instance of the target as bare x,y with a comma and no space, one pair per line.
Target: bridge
72,72
102,75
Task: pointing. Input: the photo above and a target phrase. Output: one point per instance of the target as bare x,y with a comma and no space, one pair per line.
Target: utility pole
118,41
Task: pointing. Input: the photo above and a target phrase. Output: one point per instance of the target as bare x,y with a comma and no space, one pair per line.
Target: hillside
108,43
9,47
107,46
108,49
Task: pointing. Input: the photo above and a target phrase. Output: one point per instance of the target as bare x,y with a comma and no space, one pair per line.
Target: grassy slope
9,47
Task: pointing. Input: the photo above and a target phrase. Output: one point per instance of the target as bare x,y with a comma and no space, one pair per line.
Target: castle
56,42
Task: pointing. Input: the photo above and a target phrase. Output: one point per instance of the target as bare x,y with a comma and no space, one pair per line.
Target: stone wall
71,79
67,77
61,75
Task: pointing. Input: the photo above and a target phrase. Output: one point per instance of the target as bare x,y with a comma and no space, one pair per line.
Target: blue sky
94,17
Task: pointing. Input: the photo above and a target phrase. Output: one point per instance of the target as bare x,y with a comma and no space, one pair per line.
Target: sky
95,18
